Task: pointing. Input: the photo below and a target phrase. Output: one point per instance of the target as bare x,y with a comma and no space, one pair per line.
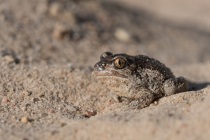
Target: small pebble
155,102
26,93
9,59
59,32
122,35
71,108
24,120
23,109
90,113
51,111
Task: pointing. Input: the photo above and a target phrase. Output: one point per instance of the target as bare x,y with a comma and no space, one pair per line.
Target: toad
137,80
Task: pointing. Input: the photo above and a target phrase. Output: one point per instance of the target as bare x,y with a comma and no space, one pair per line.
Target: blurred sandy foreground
48,48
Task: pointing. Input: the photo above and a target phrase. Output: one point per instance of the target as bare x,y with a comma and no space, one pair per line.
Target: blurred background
188,12
76,32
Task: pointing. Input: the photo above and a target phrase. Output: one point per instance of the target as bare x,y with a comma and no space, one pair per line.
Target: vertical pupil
119,62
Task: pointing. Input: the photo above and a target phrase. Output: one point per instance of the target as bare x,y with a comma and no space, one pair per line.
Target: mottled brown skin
138,79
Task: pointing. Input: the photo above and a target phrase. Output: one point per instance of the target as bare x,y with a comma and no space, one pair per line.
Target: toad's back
144,62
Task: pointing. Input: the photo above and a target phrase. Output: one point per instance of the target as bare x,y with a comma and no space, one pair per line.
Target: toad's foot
143,101
182,84
178,85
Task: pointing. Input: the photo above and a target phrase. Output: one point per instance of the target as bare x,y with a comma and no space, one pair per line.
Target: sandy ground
48,49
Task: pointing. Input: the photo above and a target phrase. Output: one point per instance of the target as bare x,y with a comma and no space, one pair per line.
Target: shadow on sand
193,86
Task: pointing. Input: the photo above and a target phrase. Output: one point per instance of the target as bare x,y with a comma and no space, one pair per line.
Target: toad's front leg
144,99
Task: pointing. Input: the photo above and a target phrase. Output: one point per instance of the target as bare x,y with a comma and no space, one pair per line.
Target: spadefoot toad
138,79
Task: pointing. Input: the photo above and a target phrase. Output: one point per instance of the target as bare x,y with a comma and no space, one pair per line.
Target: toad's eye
119,63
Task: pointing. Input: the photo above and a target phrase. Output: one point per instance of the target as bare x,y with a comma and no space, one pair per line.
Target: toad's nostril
99,66
103,65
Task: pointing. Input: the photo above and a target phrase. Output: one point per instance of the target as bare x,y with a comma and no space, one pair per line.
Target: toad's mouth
108,74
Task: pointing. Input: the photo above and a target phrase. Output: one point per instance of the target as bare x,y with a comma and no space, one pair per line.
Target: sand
47,52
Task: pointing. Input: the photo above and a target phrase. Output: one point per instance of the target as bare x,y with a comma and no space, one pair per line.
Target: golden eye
119,63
